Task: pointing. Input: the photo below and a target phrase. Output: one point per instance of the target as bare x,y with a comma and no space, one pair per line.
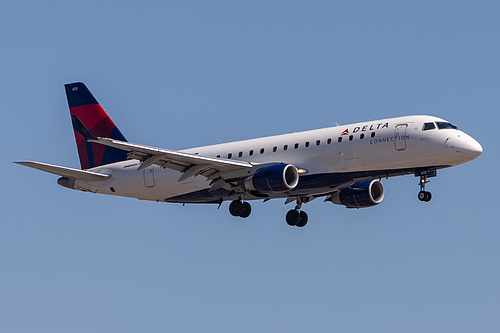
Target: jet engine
66,182
274,178
363,194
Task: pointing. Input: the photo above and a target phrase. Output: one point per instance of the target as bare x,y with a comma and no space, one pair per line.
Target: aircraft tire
292,217
247,209
303,219
236,208
424,196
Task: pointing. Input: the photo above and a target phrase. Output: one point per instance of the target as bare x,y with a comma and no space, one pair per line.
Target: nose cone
465,145
473,148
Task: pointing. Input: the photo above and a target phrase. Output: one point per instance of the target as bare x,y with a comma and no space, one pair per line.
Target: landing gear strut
296,217
240,209
423,195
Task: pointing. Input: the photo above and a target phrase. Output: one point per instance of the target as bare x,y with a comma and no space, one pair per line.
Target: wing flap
65,172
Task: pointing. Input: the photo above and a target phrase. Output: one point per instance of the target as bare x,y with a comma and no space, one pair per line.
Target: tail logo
90,120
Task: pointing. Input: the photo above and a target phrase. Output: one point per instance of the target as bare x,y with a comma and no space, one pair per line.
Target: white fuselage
383,145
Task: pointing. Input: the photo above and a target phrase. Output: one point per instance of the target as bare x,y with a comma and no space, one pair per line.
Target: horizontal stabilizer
65,172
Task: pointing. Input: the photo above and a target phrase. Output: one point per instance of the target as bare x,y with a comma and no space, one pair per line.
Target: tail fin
85,110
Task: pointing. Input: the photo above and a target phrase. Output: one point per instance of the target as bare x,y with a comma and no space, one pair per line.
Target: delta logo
371,127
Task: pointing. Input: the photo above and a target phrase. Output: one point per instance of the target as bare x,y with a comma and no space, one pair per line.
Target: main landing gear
297,217
294,217
423,195
239,208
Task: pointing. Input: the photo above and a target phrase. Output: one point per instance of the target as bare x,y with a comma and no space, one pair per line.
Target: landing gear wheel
236,208
303,219
292,217
296,218
247,210
240,209
424,196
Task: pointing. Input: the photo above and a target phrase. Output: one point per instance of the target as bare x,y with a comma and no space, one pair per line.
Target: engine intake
274,178
363,194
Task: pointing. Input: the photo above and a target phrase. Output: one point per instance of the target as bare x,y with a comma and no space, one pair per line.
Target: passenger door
400,137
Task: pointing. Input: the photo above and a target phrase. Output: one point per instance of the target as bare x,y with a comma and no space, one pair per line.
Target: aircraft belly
314,184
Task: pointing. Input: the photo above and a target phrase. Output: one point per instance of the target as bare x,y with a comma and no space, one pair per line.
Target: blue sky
184,74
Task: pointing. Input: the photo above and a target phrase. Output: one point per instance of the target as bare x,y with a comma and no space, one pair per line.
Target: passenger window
318,142
250,153
240,154
285,147
218,156
339,139
275,149
262,150
373,134
296,146
306,144
428,126
328,141
229,155
350,137
362,136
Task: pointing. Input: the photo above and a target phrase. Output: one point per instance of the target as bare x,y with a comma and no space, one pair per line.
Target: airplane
342,164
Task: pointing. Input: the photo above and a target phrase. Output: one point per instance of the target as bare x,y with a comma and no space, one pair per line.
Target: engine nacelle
274,178
66,182
363,194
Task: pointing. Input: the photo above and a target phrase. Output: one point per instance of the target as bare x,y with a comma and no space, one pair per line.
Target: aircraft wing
189,164
65,172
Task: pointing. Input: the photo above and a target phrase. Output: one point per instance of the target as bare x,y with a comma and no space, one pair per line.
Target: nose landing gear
423,195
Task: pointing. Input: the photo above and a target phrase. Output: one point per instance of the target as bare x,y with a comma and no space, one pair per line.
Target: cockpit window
443,125
428,126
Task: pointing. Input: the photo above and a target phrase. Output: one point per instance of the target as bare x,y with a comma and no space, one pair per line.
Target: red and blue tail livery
86,111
